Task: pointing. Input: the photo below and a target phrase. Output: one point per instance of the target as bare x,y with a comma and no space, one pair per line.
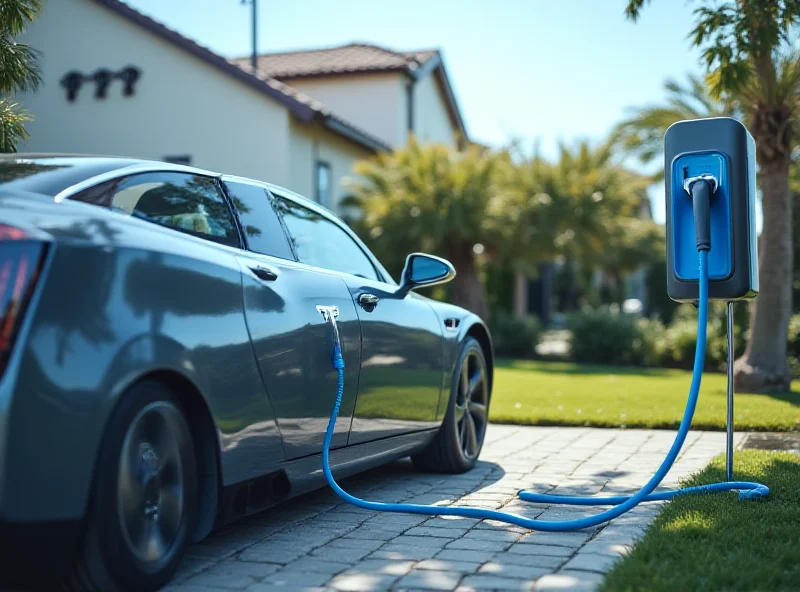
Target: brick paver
318,542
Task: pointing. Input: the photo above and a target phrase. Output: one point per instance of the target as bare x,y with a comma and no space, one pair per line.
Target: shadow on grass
718,542
792,397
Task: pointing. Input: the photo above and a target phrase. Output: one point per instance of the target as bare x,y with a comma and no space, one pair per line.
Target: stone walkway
318,542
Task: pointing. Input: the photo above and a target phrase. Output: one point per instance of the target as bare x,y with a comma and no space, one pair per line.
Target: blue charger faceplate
684,243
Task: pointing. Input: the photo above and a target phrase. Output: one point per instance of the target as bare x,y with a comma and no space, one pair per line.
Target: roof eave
297,108
340,127
452,103
435,65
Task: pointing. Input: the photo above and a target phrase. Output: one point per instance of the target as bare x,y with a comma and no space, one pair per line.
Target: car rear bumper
37,555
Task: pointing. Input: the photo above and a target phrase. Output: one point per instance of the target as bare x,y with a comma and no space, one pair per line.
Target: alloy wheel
471,404
150,484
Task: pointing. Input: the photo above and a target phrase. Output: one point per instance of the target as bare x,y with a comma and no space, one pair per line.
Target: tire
144,496
454,450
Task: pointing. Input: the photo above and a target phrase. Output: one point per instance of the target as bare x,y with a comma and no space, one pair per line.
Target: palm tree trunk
764,367
468,290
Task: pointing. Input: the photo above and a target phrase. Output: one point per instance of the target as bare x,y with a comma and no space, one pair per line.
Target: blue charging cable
621,503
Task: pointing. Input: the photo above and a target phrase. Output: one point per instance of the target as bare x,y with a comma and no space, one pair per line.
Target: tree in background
18,69
477,207
436,200
596,221
642,134
794,187
748,47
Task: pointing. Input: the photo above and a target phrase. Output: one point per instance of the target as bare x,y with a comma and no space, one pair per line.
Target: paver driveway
318,542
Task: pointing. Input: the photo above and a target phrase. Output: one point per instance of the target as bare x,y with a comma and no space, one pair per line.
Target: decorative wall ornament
102,79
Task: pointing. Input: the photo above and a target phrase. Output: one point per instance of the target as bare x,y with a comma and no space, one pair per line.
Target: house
386,93
115,81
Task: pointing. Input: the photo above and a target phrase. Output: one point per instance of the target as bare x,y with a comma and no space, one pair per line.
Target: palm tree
476,207
432,199
583,208
18,69
750,51
642,134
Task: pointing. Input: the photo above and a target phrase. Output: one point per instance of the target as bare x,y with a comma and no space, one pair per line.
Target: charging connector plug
701,189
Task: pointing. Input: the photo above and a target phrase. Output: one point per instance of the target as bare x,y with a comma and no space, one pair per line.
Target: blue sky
534,70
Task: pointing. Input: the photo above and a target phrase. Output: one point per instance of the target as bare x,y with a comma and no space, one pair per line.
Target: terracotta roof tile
347,59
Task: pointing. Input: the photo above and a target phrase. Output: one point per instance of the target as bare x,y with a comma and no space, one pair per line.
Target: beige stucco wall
431,120
181,106
377,103
310,143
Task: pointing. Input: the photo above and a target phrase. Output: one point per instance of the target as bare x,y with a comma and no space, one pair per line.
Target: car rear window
50,176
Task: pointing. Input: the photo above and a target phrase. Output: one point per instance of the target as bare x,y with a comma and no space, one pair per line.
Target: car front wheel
144,497
458,443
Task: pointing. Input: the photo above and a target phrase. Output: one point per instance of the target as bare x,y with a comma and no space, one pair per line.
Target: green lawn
717,542
554,393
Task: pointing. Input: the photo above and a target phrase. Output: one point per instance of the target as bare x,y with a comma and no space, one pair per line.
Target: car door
402,357
190,293
292,341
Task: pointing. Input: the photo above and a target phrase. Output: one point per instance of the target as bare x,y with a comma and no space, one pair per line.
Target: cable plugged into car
711,254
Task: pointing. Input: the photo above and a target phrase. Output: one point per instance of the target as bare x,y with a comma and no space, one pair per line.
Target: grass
562,394
717,542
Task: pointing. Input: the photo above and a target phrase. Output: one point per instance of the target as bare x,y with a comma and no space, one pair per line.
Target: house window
184,159
322,183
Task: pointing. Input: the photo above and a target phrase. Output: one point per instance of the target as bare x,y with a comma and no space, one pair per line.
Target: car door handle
264,273
368,301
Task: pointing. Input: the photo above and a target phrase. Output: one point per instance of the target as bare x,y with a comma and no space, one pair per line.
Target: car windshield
50,176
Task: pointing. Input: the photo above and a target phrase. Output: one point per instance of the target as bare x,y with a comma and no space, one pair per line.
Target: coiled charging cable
701,192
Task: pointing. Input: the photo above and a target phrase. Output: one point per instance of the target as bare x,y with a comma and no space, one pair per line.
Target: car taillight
20,260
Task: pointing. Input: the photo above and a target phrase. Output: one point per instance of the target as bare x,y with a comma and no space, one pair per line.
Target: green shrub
605,336
514,337
653,332
794,345
677,349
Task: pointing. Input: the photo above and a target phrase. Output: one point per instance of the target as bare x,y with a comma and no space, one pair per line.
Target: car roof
49,174
62,175
71,157
54,173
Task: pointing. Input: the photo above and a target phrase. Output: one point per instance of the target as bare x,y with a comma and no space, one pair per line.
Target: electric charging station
710,174
723,153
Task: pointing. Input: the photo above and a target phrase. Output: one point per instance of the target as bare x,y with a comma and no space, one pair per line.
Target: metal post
729,423
254,32
254,59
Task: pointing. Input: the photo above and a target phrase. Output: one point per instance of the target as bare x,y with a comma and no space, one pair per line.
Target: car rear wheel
458,443
144,498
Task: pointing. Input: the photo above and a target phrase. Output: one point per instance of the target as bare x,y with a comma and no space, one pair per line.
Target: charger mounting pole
729,423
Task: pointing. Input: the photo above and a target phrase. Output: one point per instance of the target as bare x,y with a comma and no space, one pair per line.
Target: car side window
319,242
191,204
260,224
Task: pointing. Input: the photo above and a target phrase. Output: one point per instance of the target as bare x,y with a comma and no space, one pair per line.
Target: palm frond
641,135
12,125
15,15
18,68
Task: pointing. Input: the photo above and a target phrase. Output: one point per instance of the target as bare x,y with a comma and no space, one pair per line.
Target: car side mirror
424,270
